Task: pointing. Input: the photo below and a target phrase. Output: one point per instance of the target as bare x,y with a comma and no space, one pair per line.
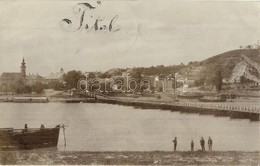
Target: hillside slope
234,64
246,67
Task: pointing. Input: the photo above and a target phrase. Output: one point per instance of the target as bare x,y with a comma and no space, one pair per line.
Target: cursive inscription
88,22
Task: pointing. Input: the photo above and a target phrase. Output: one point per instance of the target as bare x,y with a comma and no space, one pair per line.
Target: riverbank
53,157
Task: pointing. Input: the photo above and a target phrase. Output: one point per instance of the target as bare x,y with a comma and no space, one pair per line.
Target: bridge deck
224,106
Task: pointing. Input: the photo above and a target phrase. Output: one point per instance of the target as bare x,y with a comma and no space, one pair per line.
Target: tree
56,85
137,74
249,47
38,87
27,89
20,87
71,78
244,80
200,81
5,87
105,75
91,75
218,80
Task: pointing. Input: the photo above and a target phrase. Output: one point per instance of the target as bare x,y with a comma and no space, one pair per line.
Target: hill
232,64
227,61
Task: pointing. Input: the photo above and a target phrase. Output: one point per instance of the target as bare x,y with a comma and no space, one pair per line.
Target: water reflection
104,127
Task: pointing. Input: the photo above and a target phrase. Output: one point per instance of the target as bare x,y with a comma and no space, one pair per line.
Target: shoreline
50,157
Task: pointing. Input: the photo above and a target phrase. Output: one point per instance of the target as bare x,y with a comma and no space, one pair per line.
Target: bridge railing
220,106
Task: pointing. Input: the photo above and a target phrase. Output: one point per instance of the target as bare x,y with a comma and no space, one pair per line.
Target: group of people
202,144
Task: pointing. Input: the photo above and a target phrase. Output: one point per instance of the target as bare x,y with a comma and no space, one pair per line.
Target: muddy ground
37,157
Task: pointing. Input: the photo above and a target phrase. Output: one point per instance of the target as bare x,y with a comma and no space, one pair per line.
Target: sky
149,33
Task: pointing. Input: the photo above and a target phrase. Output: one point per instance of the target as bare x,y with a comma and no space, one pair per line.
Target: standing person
202,143
175,143
210,142
192,145
25,128
42,127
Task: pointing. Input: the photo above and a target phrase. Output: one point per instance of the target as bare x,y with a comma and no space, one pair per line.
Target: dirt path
38,157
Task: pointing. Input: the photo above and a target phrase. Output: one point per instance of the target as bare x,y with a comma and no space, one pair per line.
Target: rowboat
29,138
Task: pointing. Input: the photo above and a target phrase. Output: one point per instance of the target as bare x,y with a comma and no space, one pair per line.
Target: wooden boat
190,95
28,139
80,100
74,100
212,99
30,99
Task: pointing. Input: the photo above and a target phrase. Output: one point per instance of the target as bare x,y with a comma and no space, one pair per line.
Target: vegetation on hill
227,61
201,71
210,71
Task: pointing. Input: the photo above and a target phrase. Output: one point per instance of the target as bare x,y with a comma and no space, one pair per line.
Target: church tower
23,69
61,71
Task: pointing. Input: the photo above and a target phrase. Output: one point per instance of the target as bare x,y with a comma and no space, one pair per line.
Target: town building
33,78
55,76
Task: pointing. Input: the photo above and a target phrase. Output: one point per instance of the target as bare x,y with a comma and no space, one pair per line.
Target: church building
9,78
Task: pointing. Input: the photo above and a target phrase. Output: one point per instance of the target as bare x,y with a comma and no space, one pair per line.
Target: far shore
57,96
168,97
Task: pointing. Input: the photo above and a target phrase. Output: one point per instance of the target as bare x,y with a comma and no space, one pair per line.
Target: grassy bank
129,158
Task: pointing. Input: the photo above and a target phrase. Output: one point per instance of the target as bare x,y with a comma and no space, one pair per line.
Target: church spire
23,69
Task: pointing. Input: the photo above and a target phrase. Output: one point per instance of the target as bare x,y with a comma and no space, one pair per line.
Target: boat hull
190,96
33,138
212,100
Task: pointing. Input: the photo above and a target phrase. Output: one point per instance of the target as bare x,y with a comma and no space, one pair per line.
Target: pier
23,99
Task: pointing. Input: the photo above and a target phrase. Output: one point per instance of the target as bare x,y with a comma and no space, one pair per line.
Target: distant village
20,82
239,70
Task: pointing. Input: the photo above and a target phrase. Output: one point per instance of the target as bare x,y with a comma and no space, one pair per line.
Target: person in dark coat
25,128
202,143
42,127
192,145
210,142
175,143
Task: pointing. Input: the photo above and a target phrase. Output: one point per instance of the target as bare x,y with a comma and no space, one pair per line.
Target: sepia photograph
129,82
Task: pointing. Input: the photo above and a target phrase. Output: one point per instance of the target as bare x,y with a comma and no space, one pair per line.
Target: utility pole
105,88
175,81
127,80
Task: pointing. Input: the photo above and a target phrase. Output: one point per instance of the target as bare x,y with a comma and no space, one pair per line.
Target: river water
105,127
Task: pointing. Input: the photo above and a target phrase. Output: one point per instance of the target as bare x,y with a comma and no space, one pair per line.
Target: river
106,127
